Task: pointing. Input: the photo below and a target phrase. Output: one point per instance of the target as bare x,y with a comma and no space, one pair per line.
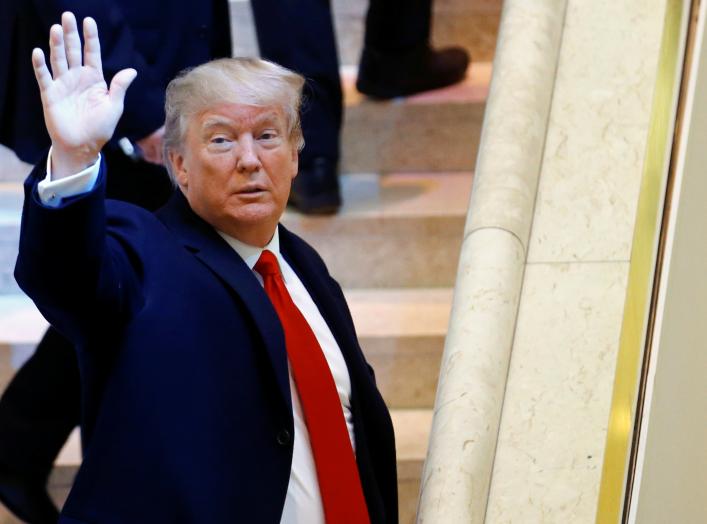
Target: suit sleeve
81,278
144,103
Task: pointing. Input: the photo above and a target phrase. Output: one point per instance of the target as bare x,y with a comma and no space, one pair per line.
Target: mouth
251,190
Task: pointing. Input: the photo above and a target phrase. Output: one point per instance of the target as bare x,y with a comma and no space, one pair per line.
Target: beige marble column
456,478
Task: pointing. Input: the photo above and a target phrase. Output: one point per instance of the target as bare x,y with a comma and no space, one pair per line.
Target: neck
253,236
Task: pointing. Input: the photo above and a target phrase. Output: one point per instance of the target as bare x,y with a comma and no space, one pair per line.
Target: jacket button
284,437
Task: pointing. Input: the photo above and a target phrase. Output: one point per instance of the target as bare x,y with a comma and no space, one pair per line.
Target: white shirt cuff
51,192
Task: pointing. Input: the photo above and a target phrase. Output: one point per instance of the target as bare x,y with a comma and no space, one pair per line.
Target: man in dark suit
41,405
192,413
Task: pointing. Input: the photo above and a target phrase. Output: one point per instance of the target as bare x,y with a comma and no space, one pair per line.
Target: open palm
80,112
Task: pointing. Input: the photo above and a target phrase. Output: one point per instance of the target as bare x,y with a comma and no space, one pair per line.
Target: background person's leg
38,411
397,26
299,35
397,59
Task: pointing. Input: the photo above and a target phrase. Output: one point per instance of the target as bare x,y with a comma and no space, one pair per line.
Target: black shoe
422,69
315,189
27,499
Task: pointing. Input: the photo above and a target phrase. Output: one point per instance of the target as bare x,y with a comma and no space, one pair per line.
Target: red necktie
339,483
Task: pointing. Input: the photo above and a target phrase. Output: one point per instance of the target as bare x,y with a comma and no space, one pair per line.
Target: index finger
92,45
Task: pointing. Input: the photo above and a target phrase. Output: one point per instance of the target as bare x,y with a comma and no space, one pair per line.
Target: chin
252,216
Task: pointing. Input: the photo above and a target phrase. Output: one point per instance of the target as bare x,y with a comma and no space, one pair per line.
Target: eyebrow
217,121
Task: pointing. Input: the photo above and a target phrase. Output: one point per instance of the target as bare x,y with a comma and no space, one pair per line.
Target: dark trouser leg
396,26
397,59
299,35
40,407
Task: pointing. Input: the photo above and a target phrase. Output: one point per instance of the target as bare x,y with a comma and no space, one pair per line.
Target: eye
268,134
220,143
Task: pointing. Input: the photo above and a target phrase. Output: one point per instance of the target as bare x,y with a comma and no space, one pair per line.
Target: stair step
412,431
11,195
402,334
397,230
20,322
434,131
21,327
412,435
472,25
11,169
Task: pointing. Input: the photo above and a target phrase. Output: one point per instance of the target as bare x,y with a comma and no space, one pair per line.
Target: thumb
120,83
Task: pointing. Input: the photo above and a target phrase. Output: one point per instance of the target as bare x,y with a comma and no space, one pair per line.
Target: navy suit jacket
187,416
158,39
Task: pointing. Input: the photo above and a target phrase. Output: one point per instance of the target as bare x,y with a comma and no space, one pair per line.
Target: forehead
239,116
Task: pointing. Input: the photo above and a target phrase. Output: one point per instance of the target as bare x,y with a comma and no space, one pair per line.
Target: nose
247,160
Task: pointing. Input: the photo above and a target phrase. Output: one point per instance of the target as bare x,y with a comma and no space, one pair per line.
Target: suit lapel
203,241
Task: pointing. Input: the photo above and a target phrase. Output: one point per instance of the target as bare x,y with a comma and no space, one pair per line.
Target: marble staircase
407,173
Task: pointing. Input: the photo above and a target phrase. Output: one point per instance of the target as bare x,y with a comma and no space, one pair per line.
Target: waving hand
80,112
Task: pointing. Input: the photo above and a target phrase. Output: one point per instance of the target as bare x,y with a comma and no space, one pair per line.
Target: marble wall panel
597,133
555,412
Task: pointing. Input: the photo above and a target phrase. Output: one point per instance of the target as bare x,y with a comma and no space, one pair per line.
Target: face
236,167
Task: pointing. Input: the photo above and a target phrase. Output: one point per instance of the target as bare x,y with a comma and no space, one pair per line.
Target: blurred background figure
41,406
397,60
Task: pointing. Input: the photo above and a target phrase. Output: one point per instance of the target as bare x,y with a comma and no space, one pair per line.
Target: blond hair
250,81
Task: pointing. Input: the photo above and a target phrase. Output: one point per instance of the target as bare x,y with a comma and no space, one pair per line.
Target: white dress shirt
51,192
303,503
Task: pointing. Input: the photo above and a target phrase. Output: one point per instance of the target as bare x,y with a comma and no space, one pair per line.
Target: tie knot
267,264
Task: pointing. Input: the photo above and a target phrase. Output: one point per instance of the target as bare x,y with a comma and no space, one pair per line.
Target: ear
295,162
178,163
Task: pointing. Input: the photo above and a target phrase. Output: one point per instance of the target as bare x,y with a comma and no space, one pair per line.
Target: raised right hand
79,111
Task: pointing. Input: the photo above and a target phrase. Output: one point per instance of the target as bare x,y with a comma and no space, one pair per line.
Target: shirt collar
251,254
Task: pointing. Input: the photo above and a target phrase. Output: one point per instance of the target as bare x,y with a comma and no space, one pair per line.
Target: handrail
456,477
